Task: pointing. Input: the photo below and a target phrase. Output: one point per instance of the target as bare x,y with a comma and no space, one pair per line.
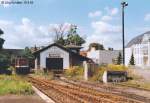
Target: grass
41,74
136,81
137,84
14,85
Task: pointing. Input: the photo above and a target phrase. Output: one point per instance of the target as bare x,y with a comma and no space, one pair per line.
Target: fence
89,69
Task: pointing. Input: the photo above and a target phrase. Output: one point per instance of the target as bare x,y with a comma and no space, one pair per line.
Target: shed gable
54,52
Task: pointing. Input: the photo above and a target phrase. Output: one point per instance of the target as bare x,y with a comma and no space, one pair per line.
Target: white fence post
36,67
105,77
85,65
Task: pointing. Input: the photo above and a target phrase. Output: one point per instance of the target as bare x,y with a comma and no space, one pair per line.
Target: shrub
116,67
75,71
97,76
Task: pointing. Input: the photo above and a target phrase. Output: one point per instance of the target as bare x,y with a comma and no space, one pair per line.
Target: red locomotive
22,66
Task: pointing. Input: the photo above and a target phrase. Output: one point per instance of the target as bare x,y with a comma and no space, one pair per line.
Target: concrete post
85,65
105,80
36,67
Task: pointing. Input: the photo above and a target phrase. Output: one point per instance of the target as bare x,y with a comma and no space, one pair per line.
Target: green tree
27,53
73,37
132,61
119,59
4,60
60,41
97,46
64,37
1,39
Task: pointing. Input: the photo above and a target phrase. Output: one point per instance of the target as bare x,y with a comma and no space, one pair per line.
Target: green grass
14,85
40,74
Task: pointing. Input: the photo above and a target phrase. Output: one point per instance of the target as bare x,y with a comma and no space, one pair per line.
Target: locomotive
22,66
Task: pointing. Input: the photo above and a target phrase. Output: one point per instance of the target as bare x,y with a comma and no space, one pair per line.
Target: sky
97,20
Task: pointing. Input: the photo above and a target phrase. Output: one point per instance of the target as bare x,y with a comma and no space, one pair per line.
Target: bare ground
20,99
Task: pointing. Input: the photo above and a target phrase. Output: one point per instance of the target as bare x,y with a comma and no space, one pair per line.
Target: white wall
94,55
107,56
137,51
57,51
103,56
128,53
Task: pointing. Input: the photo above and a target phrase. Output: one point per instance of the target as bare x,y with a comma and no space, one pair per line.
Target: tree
1,39
119,59
60,31
1,32
73,37
132,61
4,60
60,41
97,46
65,36
27,53
110,49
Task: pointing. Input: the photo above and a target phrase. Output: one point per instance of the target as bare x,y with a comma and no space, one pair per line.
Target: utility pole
124,4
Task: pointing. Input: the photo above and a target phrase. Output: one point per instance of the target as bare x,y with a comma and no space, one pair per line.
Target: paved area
134,91
145,73
21,99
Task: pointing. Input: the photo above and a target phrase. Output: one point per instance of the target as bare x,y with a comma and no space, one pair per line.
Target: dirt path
21,99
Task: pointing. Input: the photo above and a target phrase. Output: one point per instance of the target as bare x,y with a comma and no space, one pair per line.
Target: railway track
62,92
110,89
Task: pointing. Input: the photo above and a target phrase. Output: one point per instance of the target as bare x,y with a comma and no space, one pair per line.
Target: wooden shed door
54,63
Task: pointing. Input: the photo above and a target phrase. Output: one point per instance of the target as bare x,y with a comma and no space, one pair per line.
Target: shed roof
63,48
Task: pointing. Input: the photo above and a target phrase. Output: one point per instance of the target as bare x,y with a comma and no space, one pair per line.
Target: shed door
54,63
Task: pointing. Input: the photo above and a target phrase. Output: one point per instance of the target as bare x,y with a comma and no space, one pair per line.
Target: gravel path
20,99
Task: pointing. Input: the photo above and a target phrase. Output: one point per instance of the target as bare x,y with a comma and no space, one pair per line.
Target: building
55,56
83,53
103,56
14,52
7,58
140,48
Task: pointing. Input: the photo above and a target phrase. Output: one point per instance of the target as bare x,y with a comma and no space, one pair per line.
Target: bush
75,71
97,76
116,67
94,74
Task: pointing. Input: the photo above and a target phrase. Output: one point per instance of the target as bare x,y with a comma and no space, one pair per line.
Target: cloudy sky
97,21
